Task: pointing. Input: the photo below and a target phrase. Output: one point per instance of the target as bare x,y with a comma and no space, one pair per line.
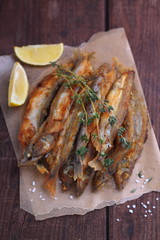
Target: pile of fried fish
84,125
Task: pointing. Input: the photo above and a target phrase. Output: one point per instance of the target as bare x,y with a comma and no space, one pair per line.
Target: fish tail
50,183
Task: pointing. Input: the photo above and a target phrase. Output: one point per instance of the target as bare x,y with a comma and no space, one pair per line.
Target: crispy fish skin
105,77
118,98
66,172
63,147
125,168
59,111
40,97
38,105
83,180
118,153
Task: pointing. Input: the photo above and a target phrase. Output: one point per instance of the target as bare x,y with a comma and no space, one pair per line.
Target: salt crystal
43,199
117,219
60,181
130,211
145,183
145,211
33,183
55,198
142,186
137,181
157,198
30,189
128,206
141,203
145,206
154,207
147,180
151,214
149,211
142,176
31,200
148,202
40,196
34,189
133,206
71,197
145,215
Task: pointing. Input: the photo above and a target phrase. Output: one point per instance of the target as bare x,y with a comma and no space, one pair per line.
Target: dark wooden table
24,22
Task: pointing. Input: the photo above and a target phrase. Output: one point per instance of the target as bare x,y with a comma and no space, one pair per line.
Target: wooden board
141,21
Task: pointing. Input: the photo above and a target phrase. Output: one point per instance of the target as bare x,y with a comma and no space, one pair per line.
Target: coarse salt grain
128,206
145,206
142,176
130,211
34,189
145,211
60,181
145,215
40,196
142,186
157,198
117,219
148,202
147,180
30,189
151,214
133,206
71,197
31,200
145,183
149,211
55,198
154,207
33,183
137,181
43,199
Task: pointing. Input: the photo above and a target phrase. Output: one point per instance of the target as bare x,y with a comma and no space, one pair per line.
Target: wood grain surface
72,22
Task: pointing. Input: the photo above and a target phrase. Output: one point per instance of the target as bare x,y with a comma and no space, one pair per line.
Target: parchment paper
37,201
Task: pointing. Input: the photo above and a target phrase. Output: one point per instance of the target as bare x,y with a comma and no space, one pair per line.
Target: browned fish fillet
59,112
38,105
119,151
126,165
118,98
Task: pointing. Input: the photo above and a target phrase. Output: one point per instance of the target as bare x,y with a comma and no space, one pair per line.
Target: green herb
94,136
140,174
108,162
103,154
82,151
150,179
121,130
84,138
125,143
133,190
112,120
100,140
82,117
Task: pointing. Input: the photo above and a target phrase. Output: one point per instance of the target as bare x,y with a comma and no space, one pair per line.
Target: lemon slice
18,86
39,55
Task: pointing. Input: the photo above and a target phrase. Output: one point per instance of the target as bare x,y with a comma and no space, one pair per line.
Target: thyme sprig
88,95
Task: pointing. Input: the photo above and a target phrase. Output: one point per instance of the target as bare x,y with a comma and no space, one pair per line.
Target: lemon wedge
39,55
18,86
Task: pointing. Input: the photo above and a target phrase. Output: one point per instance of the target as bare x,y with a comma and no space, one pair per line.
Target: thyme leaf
82,151
112,120
84,138
108,162
133,190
